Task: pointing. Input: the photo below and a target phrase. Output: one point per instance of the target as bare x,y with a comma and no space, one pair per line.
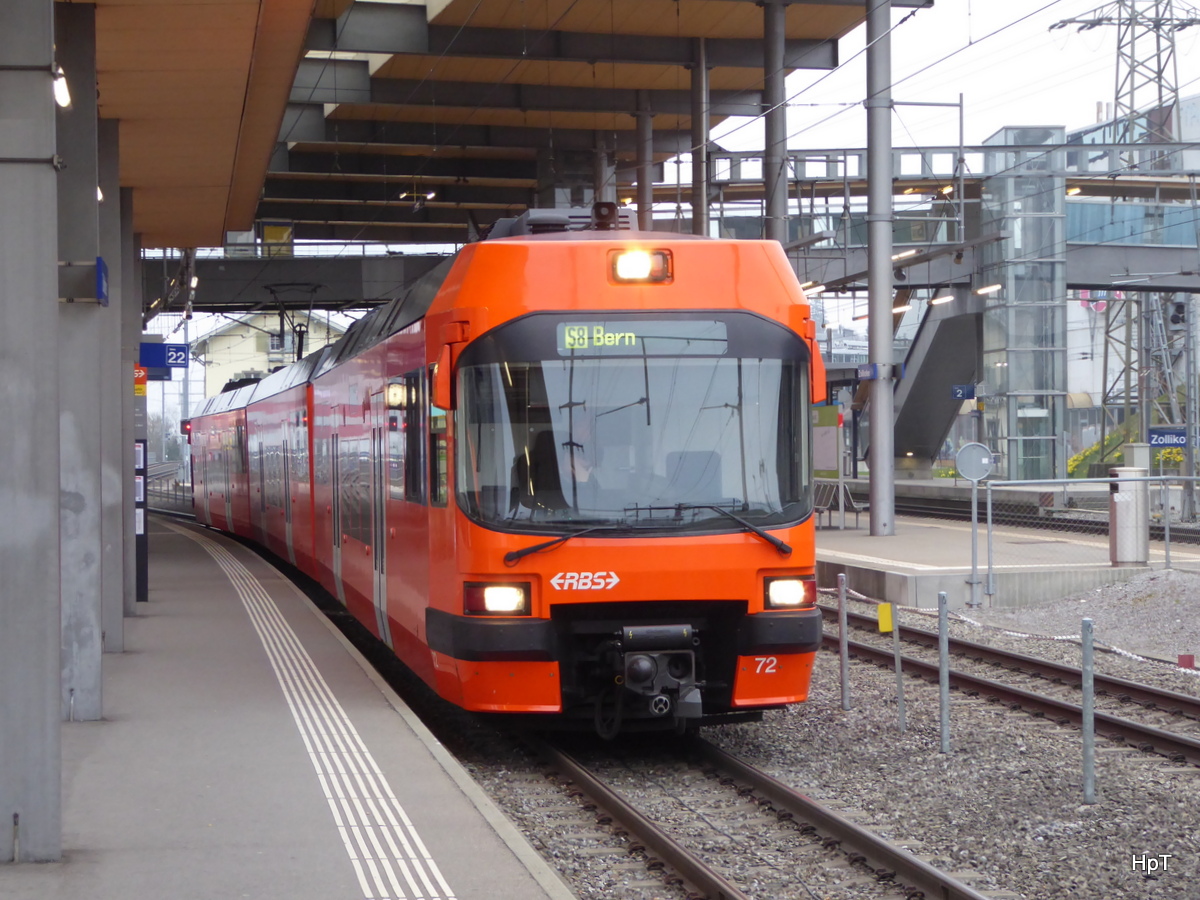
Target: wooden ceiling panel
563,74
199,87
514,118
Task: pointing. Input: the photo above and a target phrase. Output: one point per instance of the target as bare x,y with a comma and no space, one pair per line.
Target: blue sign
159,356
101,281
868,371
962,391
1168,436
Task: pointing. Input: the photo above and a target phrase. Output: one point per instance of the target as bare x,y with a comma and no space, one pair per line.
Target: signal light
1178,313
640,266
185,428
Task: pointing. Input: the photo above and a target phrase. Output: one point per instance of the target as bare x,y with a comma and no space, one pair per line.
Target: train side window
414,436
397,420
438,462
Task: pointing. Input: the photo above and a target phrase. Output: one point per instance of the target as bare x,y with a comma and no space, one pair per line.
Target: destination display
643,337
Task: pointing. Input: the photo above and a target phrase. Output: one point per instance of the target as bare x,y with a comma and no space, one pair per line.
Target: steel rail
1121,688
1144,737
695,871
885,857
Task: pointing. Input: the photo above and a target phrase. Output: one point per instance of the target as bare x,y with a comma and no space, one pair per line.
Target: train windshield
589,434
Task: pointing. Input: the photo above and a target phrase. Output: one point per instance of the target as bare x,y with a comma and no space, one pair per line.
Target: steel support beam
879,266
700,137
774,108
401,28
133,418
30,631
645,160
305,123
114,473
604,188
349,81
79,369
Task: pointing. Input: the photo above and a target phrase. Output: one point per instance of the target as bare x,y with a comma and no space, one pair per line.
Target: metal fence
169,495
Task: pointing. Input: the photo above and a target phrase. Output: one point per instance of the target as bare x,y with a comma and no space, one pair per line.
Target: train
566,476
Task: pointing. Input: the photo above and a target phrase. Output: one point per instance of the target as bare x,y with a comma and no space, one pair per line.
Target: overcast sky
1000,54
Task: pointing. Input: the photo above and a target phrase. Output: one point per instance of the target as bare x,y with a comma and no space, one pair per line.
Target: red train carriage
567,473
220,483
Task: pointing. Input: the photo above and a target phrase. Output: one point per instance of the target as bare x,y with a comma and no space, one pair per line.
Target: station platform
1031,565
248,750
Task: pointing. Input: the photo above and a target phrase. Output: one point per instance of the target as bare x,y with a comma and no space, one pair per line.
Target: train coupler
658,662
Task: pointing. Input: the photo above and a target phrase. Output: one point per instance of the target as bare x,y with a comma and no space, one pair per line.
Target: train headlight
496,599
790,593
653,266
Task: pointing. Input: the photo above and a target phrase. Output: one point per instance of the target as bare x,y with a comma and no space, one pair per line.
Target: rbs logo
585,581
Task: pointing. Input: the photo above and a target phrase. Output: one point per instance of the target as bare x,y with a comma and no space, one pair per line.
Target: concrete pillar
645,162
879,265
700,138
30,767
775,181
131,336
113,387
78,358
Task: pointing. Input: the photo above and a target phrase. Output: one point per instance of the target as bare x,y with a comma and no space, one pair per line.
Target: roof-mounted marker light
641,266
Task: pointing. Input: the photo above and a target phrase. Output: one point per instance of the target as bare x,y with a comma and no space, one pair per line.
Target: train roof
602,222
227,401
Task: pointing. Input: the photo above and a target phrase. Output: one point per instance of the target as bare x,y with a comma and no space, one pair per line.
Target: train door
379,494
287,501
228,489
205,484
336,469
264,539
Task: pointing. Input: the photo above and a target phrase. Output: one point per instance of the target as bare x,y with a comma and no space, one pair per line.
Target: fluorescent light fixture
908,453
944,298
62,92
990,289
195,282
807,285
1072,191
814,289
99,194
904,255
947,190
859,318
902,309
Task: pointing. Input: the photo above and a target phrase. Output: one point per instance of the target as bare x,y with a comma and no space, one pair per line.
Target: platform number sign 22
177,355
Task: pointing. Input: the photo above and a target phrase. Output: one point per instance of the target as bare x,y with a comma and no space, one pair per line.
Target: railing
1078,512
169,495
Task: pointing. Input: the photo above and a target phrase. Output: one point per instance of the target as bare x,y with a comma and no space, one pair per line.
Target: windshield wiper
514,555
784,549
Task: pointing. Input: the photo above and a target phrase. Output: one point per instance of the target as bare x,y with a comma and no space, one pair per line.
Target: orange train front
568,474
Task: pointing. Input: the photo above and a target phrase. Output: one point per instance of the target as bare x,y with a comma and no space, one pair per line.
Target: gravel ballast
1004,809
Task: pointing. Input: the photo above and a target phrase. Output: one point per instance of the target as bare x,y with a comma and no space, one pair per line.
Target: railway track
1060,679
761,805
